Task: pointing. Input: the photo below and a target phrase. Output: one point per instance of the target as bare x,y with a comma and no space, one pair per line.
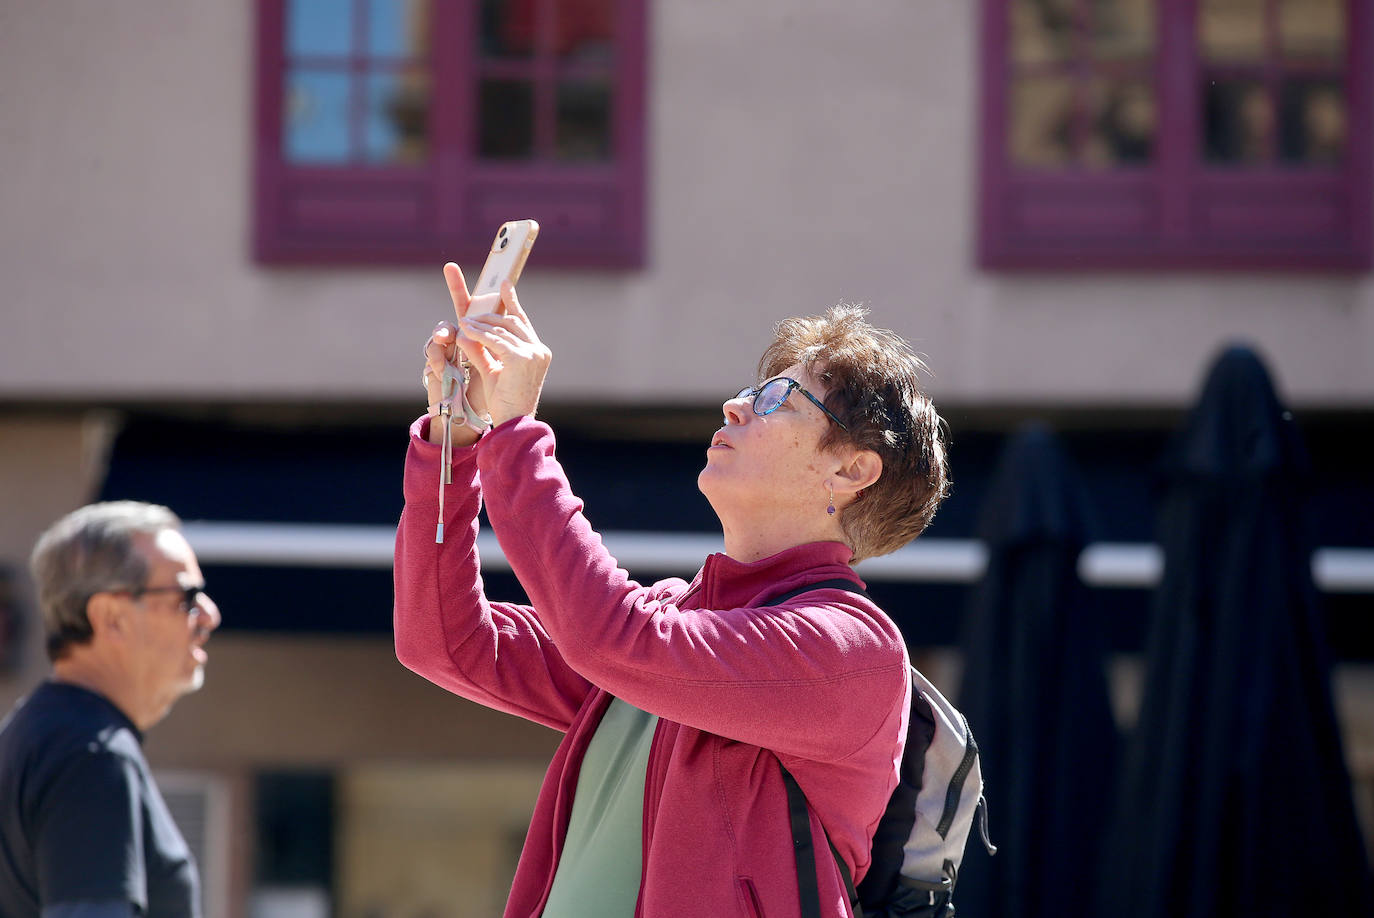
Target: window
1188,133
408,130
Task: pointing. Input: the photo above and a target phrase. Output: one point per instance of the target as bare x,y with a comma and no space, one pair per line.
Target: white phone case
509,250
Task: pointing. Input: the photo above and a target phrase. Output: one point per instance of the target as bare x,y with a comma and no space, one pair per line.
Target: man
84,832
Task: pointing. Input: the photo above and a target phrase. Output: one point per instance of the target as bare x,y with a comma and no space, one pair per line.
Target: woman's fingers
441,345
457,289
440,342
512,302
505,335
514,320
516,353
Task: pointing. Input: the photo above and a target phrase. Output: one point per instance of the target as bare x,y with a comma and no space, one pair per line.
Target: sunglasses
189,596
770,396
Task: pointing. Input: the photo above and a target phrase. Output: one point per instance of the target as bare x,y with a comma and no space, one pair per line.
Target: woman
678,701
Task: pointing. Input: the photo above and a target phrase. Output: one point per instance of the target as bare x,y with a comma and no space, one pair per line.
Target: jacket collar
724,583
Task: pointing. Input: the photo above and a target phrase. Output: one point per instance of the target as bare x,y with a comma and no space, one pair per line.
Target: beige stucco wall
799,153
325,702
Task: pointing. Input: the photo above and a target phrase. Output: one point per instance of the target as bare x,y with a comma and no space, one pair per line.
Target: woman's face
770,464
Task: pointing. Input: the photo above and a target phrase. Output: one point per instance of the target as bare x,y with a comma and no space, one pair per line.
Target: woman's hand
446,346
440,351
506,353
472,352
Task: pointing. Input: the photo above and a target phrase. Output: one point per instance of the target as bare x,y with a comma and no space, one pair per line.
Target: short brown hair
872,380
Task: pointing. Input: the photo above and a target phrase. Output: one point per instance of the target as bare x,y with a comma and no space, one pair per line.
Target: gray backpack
920,839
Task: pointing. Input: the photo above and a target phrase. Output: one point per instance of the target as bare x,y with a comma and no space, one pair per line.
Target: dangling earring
831,509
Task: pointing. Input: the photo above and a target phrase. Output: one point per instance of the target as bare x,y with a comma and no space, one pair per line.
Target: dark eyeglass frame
756,392
189,595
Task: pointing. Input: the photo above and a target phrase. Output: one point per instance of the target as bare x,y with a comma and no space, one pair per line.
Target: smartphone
506,260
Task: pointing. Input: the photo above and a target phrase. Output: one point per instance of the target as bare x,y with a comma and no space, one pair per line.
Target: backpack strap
803,847
808,887
803,844
837,583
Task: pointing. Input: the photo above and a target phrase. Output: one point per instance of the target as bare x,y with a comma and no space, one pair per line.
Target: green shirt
602,859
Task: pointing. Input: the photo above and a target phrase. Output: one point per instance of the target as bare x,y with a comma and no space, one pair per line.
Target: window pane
398,28
1312,122
506,28
1041,126
315,113
1232,29
505,119
1238,122
397,117
316,27
1312,29
586,29
1123,29
1123,123
584,121
1041,30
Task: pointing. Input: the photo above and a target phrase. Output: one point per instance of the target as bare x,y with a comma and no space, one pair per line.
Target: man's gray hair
90,550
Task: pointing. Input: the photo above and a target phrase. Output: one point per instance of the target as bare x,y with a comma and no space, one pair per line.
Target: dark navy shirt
81,821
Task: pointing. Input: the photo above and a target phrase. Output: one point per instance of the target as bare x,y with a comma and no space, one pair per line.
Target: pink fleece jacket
819,683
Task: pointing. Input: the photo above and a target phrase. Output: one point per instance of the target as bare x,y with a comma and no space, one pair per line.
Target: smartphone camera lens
504,243
503,232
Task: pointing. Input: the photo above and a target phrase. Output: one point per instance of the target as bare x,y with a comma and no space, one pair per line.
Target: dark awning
337,490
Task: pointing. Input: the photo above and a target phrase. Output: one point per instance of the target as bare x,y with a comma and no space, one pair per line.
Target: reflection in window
1232,30
1041,121
1123,123
318,28
1312,122
317,104
545,77
586,30
1176,132
1239,121
1080,92
398,107
397,28
573,30
1122,29
505,29
505,119
584,121
1239,30
392,129
1244,127
1312,29
356,88
1273,75
1041,30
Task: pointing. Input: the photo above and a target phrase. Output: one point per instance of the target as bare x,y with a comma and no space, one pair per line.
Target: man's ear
862,468
107,615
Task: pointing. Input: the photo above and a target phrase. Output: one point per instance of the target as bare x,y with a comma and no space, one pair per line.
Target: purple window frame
590,215
1176,211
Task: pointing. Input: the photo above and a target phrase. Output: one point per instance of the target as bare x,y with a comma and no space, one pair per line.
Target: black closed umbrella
1034,691
1234,797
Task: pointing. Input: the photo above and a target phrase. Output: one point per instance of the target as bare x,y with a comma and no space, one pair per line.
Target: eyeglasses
189,595
770,396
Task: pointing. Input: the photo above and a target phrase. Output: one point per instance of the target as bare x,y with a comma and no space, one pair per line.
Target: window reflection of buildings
408,107
1242,122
